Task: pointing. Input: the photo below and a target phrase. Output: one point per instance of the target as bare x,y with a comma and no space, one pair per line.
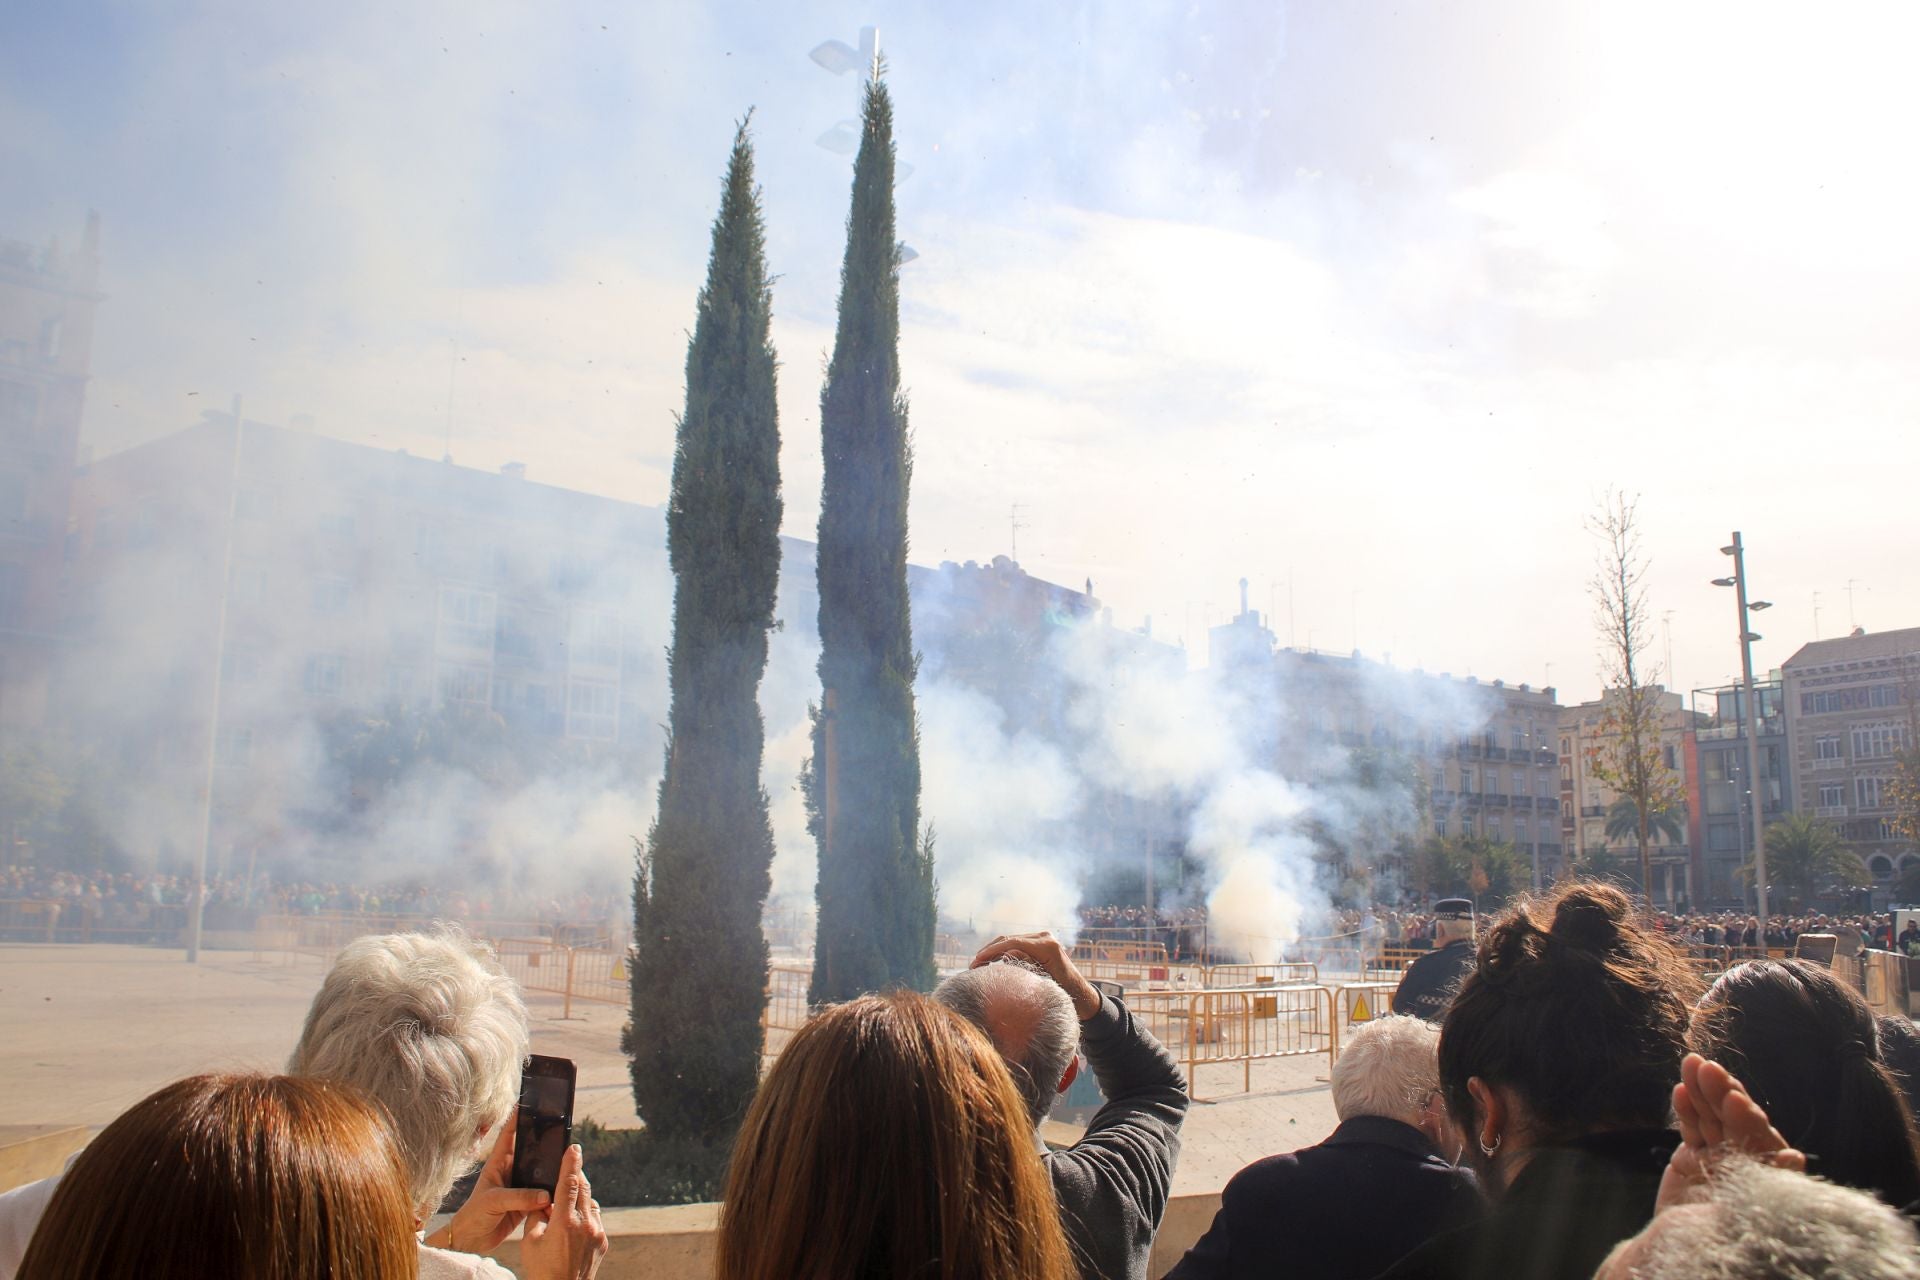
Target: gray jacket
1113,1184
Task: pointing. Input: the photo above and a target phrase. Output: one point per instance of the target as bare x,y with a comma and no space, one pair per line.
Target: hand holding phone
543,1122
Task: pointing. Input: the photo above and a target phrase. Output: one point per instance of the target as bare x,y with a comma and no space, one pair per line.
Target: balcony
1830,811
1494,800
1827,763
1594,811
1496,753
1523,802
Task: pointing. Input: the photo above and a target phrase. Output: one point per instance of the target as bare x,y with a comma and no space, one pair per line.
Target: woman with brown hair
231,1177
889,1141
1558,1059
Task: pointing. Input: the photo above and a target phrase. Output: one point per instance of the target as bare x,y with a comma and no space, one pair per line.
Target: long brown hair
233,1177
889,1141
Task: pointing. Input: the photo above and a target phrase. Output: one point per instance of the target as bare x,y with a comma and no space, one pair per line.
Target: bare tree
1628,758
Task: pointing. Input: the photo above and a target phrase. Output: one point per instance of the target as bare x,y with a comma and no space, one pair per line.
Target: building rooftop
1860,647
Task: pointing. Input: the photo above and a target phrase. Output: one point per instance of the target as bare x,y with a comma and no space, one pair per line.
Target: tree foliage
1623,821
698,982
1627,758
1806,859
1488,871
875,894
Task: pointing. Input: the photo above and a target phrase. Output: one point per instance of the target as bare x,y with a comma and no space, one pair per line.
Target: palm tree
1806,858
1623,821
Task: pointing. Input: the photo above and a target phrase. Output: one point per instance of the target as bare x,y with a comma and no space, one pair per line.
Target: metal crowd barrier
1285,973
786,1010
1244,1025
81,920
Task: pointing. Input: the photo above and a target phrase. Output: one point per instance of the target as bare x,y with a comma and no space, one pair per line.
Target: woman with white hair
432,1028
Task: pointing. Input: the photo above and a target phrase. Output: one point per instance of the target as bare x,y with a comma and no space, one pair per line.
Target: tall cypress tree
698,985
876,917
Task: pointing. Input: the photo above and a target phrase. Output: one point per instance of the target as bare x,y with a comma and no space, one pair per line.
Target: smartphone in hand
543,1122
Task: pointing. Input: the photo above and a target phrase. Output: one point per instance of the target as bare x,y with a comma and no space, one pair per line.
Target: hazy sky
1372,297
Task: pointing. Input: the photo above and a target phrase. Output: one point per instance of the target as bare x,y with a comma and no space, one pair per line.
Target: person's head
1452,920
1807,1047
888,1140
233,1177
1762,1223
1572,1022
1029,1019
430,1026
1388,1067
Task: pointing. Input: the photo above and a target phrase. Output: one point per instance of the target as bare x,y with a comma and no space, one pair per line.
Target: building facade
1721,809
47,303
1853,704
1586,802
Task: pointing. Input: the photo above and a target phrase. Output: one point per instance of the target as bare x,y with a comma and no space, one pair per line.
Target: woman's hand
566,1242
1717,1116
494,1209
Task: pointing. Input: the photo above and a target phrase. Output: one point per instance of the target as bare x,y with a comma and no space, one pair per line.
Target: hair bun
1590,917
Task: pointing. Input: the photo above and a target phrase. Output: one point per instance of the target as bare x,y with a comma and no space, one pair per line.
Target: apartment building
1853,704
1720,812
1586,801
47,301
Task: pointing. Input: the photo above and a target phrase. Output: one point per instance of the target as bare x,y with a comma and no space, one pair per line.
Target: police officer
1427,989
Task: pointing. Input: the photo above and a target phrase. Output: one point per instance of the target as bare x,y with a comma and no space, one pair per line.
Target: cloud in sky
1371,301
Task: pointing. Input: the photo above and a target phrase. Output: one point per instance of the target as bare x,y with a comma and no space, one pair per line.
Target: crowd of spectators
125,903
1578,1105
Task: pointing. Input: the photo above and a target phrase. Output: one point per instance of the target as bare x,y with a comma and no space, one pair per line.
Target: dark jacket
1427,989
1344,1210
1113,1184
1563,1213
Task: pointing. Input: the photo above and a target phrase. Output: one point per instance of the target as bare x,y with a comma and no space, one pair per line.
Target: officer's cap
1453,909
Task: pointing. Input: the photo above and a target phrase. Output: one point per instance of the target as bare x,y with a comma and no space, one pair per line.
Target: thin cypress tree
698,984
876,913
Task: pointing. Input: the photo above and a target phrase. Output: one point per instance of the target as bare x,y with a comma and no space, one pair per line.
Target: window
1861,698
1493,826
1543,785
1723,837
466,619
1566,746
1519,830
594,639
1866,792
330,596
1466,778
1439,824
1518,741
1879,742
1466,825
1827,747
326,675
593,710
1832,795
1666,754
460,683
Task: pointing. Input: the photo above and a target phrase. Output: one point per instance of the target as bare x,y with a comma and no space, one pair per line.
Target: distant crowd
125,902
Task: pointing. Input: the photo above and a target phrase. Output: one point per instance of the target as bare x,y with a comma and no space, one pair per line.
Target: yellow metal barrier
1362,1002
1286,973
1243,1025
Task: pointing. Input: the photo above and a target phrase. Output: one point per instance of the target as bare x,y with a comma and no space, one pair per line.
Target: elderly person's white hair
1757,1222
1387,1068
433,1029
1029,1019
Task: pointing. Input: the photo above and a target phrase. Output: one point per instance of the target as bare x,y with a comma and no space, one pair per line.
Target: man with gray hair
1113,1184
1371,1193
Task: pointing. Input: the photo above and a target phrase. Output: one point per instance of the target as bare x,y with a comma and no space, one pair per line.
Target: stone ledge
676,1242
30,1152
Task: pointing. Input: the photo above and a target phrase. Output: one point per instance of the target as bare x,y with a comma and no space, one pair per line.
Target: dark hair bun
1589,916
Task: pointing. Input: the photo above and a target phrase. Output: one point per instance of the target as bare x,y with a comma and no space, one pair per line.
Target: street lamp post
1747,636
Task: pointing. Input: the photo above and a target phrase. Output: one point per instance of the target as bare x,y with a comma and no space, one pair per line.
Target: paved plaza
89,1030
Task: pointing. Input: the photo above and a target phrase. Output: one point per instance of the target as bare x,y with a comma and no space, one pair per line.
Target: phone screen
545,1122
